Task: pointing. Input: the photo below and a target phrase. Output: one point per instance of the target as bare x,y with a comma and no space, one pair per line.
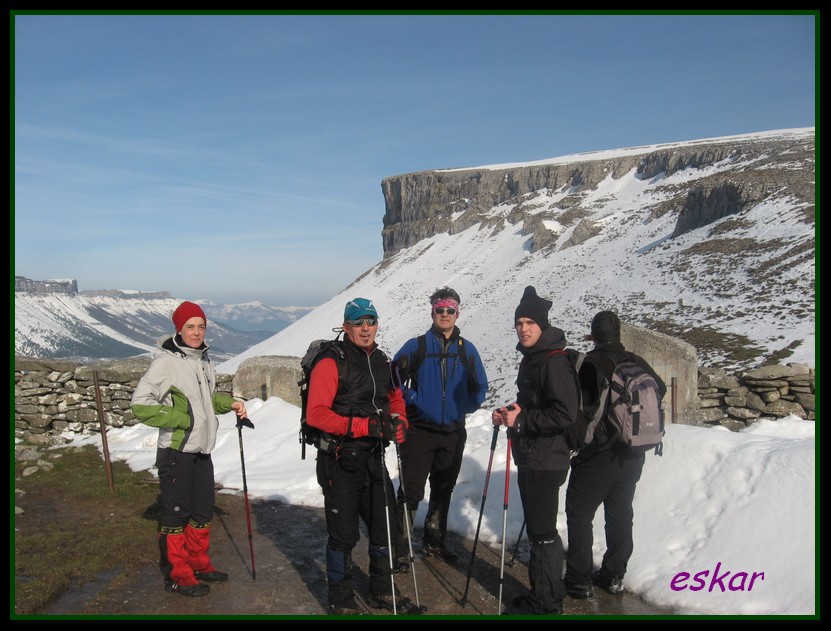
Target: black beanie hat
533,307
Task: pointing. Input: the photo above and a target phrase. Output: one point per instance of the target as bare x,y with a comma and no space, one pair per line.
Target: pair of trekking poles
407,526
246,422
464,600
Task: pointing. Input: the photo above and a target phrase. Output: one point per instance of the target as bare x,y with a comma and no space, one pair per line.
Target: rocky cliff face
66,286
726,177
710,241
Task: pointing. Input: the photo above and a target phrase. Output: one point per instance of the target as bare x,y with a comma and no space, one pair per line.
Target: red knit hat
185,312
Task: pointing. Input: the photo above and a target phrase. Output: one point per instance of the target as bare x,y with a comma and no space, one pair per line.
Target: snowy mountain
711,241
253,316
116,324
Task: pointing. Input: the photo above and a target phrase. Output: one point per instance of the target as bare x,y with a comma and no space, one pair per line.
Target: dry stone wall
53,397
767,392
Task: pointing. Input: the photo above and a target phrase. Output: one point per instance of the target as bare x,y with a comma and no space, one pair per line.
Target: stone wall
53,396
675,361
767,392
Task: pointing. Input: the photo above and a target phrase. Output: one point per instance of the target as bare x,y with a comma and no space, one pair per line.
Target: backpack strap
469,364
409,369
574,358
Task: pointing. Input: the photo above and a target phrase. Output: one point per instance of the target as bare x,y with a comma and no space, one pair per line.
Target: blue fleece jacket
442,396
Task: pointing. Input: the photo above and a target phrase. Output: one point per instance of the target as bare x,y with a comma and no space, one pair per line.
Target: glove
395,428
181,408
375,427
386,427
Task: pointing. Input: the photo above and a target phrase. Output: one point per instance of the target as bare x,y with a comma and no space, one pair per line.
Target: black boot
545,567
435,525
402,549
435,529
339,580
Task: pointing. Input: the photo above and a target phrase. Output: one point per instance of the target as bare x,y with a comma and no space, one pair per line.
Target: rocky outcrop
69,286
749,171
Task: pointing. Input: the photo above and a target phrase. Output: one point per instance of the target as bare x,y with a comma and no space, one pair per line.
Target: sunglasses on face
361,321
443,310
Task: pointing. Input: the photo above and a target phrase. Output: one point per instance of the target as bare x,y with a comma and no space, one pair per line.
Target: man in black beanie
604,472
546,404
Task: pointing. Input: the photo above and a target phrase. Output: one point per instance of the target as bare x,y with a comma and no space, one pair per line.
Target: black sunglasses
443,310
369,321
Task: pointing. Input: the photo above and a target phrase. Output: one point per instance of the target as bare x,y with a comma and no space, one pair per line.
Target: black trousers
186,485
540,494
608,478
356,488
435,456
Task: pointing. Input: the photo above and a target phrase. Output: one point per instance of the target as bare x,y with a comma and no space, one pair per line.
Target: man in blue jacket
443,380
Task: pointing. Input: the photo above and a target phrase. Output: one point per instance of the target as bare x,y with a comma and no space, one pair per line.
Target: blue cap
359,307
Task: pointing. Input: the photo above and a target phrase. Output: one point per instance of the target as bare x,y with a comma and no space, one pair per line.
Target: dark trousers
607,478
437,456
186,484
356,488
540,495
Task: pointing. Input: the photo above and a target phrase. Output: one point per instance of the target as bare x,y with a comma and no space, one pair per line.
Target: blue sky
240,158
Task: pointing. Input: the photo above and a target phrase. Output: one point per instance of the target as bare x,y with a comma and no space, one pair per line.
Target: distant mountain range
55,321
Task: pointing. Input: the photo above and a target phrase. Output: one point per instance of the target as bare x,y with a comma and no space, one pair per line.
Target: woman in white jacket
178,395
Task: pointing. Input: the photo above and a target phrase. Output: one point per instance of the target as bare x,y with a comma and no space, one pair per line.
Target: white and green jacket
178,395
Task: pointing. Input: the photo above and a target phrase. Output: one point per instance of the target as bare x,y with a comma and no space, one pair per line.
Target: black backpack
580,433
407,368
310,435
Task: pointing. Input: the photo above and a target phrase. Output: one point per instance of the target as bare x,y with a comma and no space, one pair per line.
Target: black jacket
547,395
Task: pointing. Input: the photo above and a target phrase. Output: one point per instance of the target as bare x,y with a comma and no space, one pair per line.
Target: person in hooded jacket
178,395
546,404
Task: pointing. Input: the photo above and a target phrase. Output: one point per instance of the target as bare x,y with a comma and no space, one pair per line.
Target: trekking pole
463,601
504,522
384,479
516,545
407,523
247,423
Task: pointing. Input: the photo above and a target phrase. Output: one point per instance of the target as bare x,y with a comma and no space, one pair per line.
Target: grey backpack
633,408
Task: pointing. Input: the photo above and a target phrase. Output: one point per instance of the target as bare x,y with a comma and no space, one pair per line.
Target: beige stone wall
675,361
53,396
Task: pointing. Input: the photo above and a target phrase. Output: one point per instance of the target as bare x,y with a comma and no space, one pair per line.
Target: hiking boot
612,584
521,606
440,552
578,590
402,565
346,608
200,589
214,576
403,606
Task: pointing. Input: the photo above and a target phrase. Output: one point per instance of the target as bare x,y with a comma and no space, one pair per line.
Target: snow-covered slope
740,289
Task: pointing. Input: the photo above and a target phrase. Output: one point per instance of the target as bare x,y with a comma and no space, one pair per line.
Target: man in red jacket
352,398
